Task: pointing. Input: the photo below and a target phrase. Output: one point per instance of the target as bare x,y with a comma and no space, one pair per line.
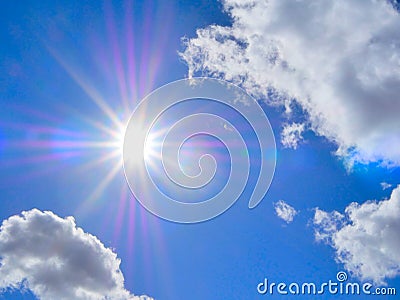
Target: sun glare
82,135
119,139
152,148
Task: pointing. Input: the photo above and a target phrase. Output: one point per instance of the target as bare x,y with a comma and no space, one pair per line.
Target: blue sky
72,73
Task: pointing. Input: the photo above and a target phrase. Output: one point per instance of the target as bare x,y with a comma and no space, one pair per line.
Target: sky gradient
326,76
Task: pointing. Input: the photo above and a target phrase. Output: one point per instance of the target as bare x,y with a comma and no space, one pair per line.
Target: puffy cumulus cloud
57,260
292,135
366,238
340,60
285,211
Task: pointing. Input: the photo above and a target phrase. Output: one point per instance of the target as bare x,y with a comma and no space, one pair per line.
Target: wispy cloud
340,61
366,238
386,185
285,211
57,260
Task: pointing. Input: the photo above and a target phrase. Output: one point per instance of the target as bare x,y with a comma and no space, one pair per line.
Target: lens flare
159,191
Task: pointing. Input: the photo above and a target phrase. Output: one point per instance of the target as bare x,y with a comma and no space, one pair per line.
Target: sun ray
93,94
130,44
121,212
117,56
91,143
112,131
96,193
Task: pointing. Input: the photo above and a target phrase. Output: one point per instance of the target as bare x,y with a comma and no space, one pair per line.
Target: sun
152,147
118,139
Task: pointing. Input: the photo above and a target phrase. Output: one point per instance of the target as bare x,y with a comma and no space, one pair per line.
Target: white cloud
327,224
366,238
339,59
386,185
57,260
292,135
285,211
